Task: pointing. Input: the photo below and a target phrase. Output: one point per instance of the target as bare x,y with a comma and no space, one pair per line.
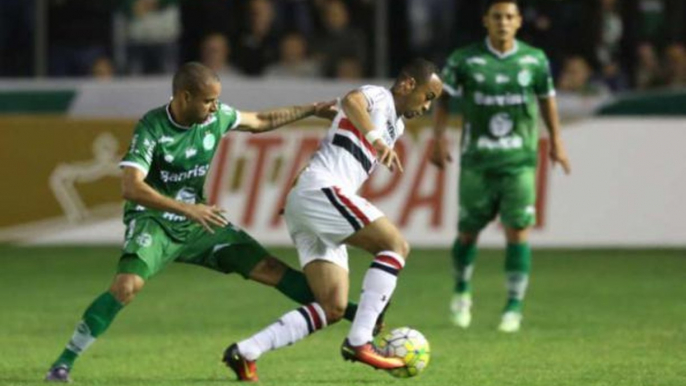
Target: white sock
517,282
377,289
81,339
292,327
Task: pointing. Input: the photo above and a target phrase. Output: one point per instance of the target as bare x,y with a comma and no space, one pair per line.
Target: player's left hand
558,155
326,110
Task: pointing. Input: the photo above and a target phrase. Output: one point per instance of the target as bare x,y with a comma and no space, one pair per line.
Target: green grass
591,318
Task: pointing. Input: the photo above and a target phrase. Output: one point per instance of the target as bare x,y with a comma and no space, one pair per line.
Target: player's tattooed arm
257,122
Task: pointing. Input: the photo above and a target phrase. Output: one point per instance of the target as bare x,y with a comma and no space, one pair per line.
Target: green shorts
148,249
483,195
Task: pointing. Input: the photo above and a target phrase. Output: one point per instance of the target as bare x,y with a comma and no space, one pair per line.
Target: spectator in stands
349,68
577,77
103,68
648,71
79,32
258,43
153,28
675,65
294,61
339,39
215,53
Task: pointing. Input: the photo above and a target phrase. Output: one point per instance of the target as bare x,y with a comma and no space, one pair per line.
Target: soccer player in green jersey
166,215
502,82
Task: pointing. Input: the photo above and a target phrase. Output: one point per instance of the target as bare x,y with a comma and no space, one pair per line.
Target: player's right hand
207,216
387,156
440,155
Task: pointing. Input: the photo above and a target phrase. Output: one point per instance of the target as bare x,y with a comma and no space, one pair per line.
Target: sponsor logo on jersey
144,240
499,100
191,152
166,139
390,129
528,59
524,78
197,171
501,125
504,143
500,79
209,141
169,158
186,195
480,78
476,60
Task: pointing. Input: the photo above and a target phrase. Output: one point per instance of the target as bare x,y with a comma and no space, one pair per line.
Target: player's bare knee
333,312
125,288
268,271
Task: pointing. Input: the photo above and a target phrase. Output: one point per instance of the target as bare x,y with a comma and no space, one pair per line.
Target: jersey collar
171,119
502,55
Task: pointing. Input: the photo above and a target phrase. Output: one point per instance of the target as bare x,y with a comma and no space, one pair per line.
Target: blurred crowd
595,46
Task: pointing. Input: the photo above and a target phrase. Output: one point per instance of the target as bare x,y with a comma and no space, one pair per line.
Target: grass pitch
591,318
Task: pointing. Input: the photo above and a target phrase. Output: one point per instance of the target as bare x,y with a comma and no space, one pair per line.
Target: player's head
416,87
502,20
197,89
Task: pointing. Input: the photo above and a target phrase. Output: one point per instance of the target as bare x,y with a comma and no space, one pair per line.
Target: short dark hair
191,75
420,69
491,3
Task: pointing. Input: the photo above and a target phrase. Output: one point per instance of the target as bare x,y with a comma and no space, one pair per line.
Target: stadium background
76,74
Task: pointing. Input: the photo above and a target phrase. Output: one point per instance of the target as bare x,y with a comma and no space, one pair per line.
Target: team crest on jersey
501,125
144,240
524,78
209,141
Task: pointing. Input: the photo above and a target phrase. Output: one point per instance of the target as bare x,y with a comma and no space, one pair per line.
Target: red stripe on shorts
346,201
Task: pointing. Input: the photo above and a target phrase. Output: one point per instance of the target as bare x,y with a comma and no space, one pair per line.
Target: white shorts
319,220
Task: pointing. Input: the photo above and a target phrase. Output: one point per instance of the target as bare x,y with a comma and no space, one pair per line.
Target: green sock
294,285
463,263
98,316
517,268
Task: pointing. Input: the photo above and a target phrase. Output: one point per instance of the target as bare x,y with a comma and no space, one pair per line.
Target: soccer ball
409,345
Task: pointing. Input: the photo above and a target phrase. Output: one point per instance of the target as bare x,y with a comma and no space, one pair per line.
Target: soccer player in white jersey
324,213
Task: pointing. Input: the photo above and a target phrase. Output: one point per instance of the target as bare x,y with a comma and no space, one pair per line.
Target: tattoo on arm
283,116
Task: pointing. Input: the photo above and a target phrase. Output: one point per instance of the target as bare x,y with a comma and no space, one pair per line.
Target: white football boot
510,322
461,310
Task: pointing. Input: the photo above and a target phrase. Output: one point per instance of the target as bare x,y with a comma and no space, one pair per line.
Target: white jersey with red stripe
345,158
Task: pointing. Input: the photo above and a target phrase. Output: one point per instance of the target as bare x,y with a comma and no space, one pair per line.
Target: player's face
503,21
420,96
201,104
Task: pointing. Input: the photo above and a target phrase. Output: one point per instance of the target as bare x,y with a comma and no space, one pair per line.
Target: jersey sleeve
377,105
543,85
452,75
229,117
140,152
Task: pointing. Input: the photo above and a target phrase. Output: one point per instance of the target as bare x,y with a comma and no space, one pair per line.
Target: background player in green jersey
502,82
166,216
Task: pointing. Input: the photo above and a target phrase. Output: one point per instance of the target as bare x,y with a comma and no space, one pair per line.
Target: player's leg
477,207
147,250
327,274
94,322
231,249
518,215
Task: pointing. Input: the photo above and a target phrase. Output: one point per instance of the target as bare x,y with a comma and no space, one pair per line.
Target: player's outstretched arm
267,120
356,108
558,153
134,188
440,153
